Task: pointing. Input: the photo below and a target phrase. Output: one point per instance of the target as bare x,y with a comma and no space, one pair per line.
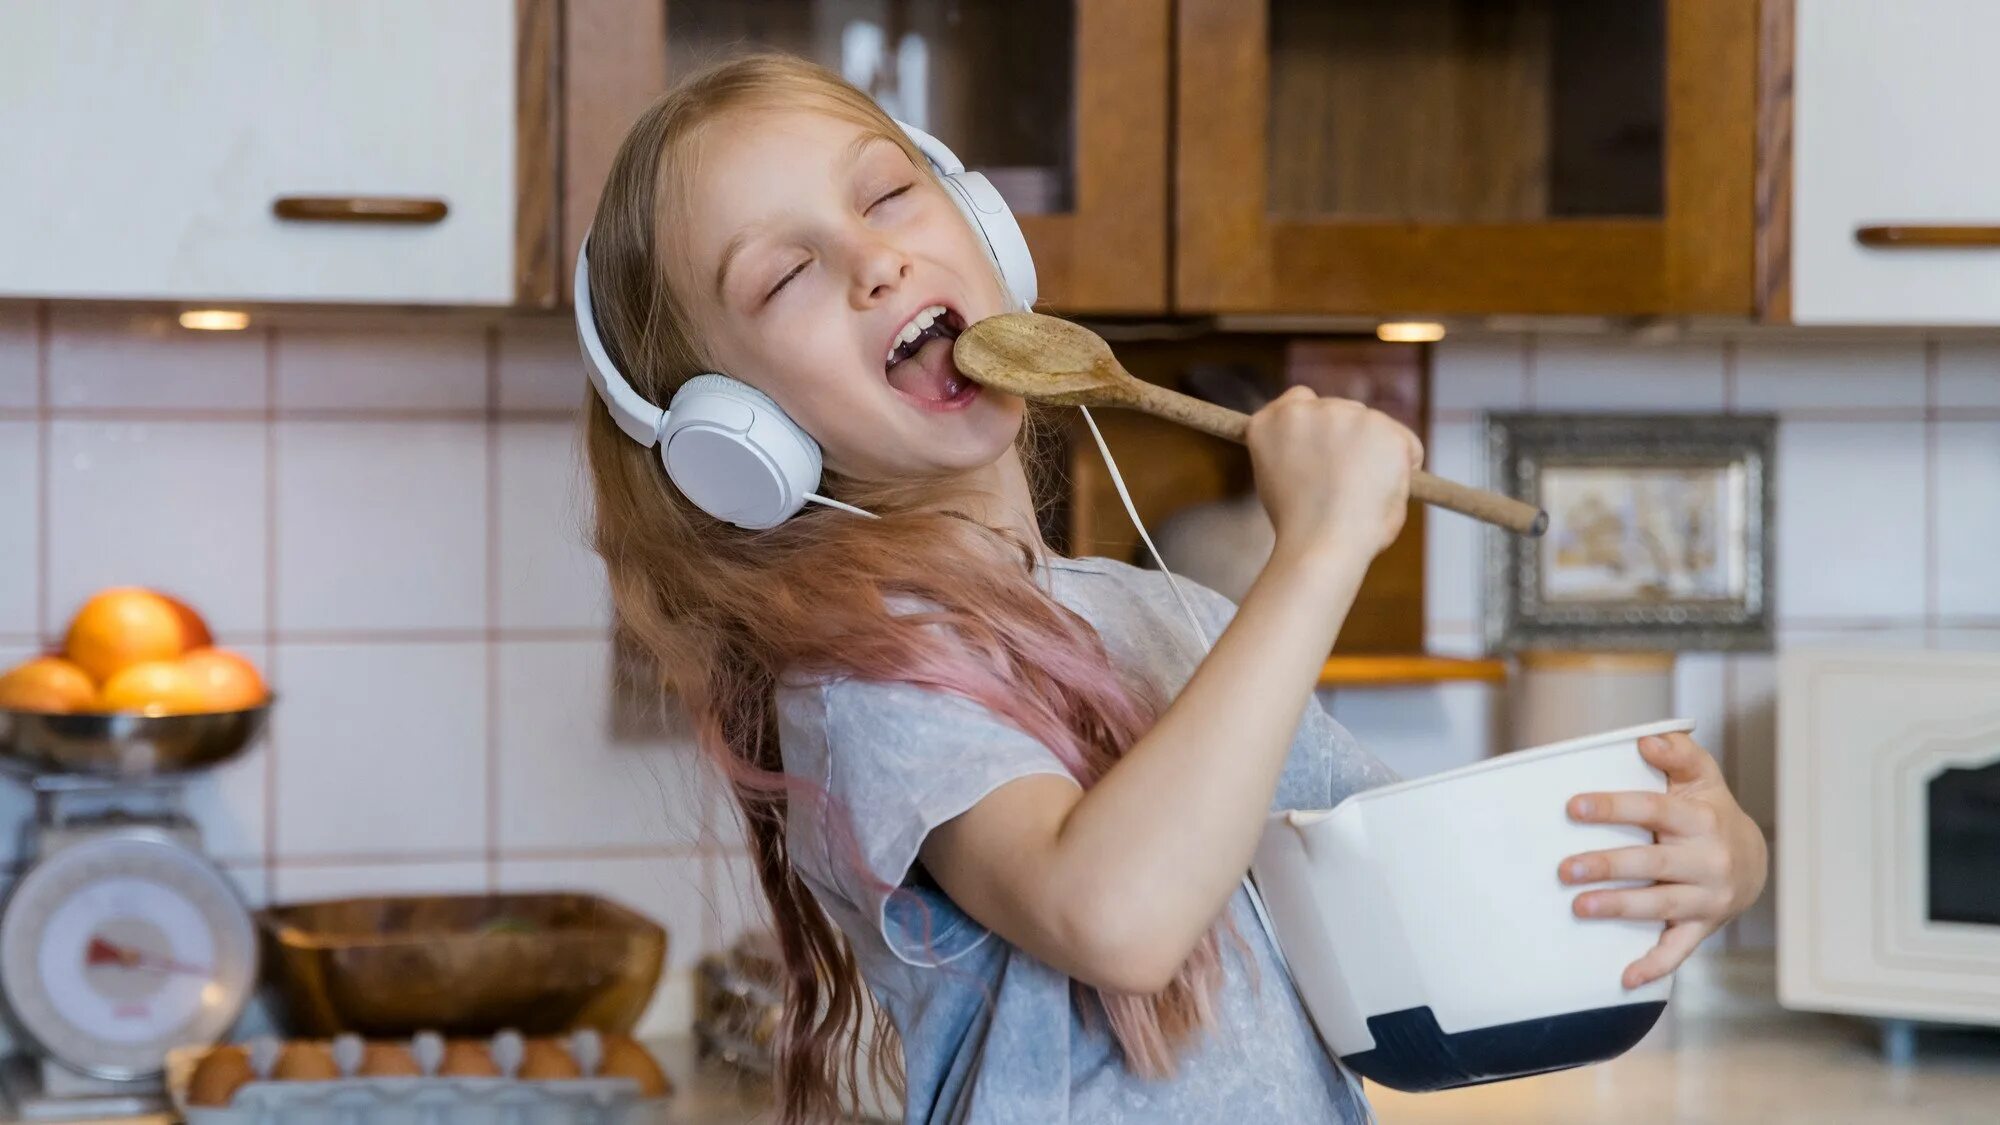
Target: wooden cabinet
158,148
1062,103
1895,216
1465,156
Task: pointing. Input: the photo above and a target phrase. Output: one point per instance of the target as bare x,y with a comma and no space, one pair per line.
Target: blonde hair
724,612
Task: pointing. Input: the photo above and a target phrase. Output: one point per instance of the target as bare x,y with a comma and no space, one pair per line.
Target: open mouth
919,363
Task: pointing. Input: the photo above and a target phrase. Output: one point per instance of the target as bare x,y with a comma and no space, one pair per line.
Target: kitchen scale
120,941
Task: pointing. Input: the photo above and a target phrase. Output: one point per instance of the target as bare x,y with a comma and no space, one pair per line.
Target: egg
624,1058
219,1075
545,1060
464,1058
306,1062
389,1060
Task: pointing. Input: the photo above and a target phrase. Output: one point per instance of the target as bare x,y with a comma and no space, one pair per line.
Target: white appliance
1888,872
1429,935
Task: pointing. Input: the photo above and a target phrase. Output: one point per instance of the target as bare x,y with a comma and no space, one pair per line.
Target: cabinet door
1896,219
153,139
1469,156
1061,103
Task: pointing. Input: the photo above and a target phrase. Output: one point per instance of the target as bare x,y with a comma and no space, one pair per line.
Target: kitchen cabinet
1465,156
1894,219
359,152
1063,104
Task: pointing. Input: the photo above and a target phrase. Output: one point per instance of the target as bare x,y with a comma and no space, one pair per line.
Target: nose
880,269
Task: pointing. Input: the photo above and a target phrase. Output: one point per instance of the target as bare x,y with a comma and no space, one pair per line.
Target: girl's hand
1331,471
1708,865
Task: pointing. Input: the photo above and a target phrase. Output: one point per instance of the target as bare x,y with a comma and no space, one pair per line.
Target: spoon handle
1489,507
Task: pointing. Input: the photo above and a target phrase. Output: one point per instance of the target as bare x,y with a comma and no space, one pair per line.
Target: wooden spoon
1054,361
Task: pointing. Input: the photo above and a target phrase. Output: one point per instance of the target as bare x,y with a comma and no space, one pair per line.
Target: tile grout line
271,519
492,644
45,470
1931,554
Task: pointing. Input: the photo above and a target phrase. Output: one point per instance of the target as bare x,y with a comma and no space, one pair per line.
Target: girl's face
815,250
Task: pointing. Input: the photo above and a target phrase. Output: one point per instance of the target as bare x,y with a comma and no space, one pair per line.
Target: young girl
989,784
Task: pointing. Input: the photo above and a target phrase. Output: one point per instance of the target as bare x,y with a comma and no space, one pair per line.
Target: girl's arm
1114,886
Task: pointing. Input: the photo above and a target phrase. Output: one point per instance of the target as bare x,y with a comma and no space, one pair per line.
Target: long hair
724,612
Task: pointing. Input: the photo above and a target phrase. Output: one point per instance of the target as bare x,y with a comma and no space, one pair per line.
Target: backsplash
389,521
1888,466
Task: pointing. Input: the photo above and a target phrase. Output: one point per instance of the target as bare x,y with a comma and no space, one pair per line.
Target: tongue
929,374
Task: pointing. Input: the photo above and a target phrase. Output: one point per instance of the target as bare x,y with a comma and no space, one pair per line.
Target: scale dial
116,949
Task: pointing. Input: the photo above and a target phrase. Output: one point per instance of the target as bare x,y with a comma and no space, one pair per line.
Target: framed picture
1659,537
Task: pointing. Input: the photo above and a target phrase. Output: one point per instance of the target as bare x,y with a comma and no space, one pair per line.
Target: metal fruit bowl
125,744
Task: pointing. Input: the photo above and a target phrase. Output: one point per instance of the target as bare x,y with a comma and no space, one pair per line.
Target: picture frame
1660,532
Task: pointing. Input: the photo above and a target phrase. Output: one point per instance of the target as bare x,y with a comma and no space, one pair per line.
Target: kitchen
285,332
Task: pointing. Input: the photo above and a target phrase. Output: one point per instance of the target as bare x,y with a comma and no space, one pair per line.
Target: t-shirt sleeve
900,761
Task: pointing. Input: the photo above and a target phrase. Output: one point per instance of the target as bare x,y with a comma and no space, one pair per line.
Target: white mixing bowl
1429,935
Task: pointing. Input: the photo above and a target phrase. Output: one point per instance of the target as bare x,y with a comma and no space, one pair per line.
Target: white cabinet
1894,127
149,141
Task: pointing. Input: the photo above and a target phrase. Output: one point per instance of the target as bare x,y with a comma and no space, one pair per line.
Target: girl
988,783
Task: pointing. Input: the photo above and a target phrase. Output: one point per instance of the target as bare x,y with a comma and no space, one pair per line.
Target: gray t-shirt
990,1034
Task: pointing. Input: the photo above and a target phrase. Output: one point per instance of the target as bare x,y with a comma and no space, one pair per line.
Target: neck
999,497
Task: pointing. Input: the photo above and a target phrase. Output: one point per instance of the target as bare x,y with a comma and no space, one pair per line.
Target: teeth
915,328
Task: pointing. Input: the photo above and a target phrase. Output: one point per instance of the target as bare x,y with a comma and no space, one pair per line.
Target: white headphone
730,449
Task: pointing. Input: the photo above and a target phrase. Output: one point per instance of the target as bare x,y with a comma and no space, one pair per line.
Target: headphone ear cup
735,454
994,221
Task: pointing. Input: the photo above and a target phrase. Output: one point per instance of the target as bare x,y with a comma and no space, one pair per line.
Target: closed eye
890,195
785,280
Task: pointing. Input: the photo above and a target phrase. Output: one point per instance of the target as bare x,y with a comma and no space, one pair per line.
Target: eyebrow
742,237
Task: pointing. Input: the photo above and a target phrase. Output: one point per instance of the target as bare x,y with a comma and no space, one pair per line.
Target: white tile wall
19,358
1488,373
381,750
123,360
381,526
1592,373
565,779
540,368
1850,522
20,501
1422,730
434,368
299,882
1701,686
549,576
1454,545
1792,375
171,504
1968,518
1968,373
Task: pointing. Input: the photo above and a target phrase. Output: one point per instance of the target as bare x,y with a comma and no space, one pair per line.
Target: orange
46,683
195,630
123,626
157,687
227,682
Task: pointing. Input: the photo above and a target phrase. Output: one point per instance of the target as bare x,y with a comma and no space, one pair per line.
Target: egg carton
435,1099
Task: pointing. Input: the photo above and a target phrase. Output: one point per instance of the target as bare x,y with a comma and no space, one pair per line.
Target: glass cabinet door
1379,156
1063,105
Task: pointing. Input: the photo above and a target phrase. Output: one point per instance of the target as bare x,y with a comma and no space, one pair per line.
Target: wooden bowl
462,965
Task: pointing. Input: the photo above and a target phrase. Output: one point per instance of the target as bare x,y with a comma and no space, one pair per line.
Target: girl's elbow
1121,952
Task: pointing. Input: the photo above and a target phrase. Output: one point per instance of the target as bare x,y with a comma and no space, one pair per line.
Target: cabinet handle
358,209
1927,236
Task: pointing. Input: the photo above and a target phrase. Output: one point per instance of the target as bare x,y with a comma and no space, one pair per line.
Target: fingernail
1585,806
1592,906
1578,870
